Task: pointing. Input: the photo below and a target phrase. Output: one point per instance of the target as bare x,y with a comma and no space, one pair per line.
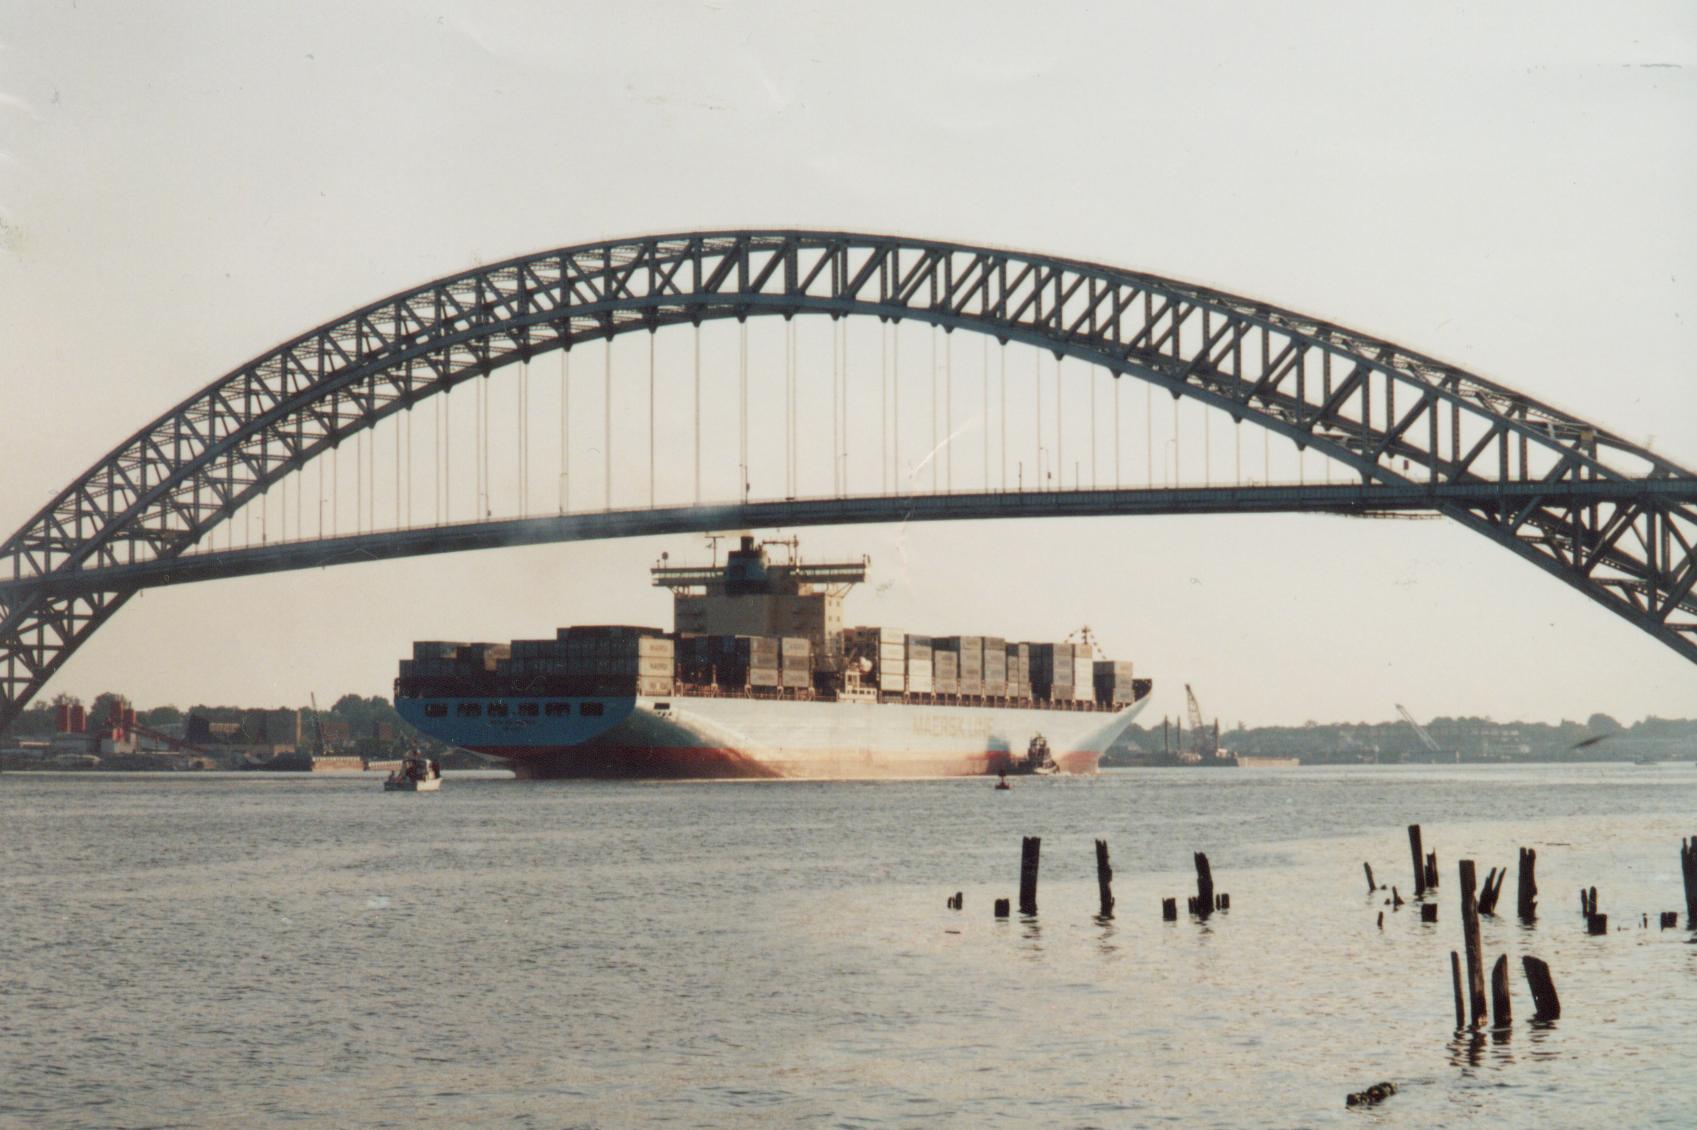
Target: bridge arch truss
1607,516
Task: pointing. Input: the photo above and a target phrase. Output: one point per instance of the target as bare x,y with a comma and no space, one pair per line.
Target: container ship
760,678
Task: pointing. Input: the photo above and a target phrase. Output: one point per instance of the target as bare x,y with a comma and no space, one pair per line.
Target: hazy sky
1506,186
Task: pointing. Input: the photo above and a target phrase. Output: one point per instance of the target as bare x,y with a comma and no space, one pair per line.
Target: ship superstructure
760,678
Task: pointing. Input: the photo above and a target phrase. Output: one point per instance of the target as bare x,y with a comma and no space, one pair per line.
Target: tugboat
416,775
1038,760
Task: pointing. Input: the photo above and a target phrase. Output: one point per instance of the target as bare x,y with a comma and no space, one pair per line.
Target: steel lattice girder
1364,402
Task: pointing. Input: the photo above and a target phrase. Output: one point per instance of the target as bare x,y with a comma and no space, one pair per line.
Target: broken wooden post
1455,977
1381,920
1029,847
1591,908
1545,1004
1499,993
1493,891
955,900
1204,887
1419,860
1528,893
1688,868
1596,924
1470,936
1169,910
1371,886
1670,919
1396,899
1428,912
1431,870
1104,879
1001,908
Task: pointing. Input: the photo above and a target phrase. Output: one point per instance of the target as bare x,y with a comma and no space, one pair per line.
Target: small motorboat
1003,783
416,775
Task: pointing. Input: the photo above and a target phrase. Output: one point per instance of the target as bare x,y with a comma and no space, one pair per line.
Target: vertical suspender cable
836,383
524,438
935,455
1118,380
1037,401
1002,350
1149,432
1237,437
607,423
984,404
896,406
320,497
444,453
845,386
949,409
409,460
398,480
488,487
1090,375
1060,433
1207,447
1176,451
651,336
565,428
789,408
742,411
698,413
883,406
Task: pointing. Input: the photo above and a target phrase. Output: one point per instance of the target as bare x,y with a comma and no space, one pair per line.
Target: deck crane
1419,730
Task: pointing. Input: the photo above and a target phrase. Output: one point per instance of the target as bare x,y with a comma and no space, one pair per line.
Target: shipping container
796,678
435,649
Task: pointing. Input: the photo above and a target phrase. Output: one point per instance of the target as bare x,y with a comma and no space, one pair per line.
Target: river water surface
207,950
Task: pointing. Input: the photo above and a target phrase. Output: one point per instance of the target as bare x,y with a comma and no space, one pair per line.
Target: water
221,950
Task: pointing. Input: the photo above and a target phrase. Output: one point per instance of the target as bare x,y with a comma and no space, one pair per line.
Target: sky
1505,186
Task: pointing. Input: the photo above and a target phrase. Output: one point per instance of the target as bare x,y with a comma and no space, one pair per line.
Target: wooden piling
1029,848
955,900
1222,901
1499,993
1688,868
1419,860
1455,977
1396,899
1104,879
1545,1004
1527,899
1001,908
1592,907
1431,870
1428,912
1597,924
1371,886
1670,919
1169,910
1470,936
1204,886
1492,891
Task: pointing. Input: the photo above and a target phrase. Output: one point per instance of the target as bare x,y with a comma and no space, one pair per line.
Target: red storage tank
129,719
62,718
79,719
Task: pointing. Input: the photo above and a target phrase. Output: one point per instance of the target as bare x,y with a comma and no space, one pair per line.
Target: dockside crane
1420,731
1204,746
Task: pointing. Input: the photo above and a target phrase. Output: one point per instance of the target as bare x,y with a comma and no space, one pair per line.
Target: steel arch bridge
1611,518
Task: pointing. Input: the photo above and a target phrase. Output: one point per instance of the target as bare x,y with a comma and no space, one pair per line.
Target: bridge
789,379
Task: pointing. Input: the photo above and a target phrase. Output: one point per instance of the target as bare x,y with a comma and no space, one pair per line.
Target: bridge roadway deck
1350,499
